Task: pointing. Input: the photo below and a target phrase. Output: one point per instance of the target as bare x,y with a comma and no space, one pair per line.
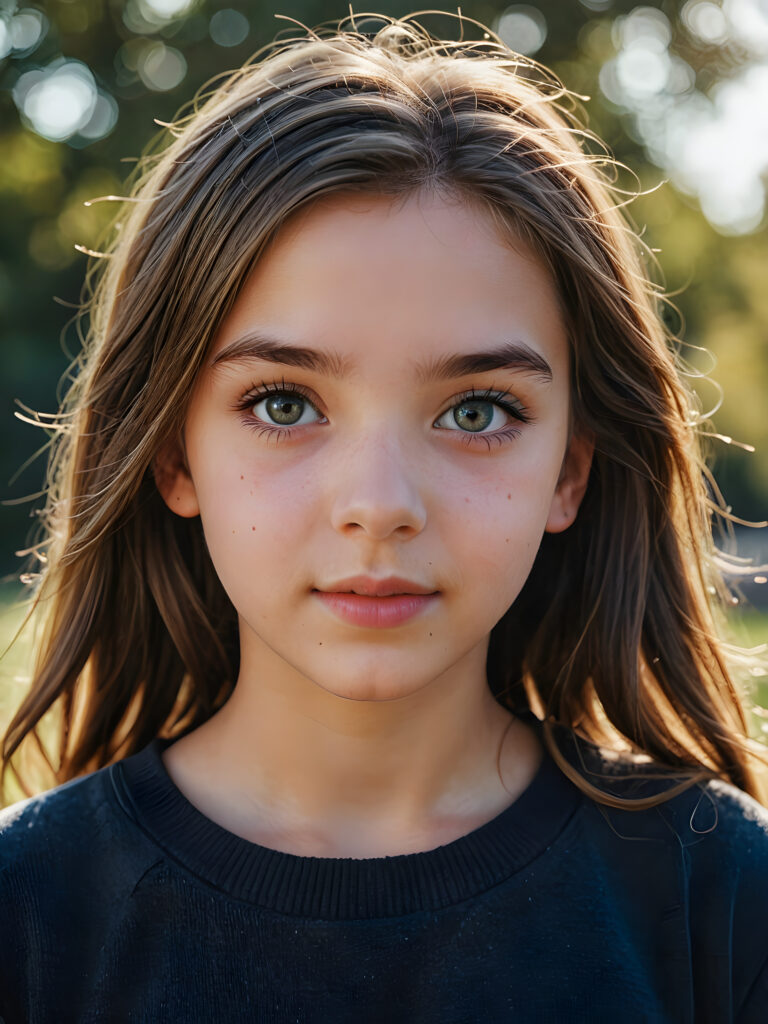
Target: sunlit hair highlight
615,636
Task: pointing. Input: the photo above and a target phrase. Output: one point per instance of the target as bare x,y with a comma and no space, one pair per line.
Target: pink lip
371,587
376,604
376,612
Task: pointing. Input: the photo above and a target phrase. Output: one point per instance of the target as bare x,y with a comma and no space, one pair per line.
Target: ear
173,480
572,483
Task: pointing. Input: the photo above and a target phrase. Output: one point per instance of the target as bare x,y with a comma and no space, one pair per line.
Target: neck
288,765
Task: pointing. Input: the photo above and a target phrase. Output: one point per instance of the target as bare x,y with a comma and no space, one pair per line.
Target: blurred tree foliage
147,57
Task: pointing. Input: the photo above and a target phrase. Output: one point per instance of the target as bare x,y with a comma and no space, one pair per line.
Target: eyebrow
514,355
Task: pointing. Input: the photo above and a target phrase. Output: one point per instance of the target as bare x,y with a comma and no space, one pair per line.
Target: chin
372,691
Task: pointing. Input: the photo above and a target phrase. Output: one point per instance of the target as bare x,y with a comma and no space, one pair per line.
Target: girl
378,586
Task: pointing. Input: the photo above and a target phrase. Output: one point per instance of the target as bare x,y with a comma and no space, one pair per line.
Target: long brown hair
614,635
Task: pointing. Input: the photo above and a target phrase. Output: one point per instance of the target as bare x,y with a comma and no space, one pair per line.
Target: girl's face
389,397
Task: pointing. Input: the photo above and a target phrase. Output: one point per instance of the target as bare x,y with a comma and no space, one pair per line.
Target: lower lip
376,612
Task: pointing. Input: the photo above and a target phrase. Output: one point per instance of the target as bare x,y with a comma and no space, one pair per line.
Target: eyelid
497,396
263,389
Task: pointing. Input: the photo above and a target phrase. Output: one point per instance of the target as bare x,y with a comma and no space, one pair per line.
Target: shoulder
692,871
61,844
55,820
710,842
714,821
714,818
720,823
711,834
71,861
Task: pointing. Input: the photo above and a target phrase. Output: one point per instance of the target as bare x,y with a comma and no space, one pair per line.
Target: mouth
376,604
367,586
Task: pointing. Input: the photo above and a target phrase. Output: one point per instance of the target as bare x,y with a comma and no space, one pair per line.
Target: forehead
377,280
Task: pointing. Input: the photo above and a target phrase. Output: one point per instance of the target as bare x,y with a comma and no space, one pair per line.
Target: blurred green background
678,90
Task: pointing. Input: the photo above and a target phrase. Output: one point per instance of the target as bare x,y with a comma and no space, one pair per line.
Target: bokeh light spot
102,120
161,67
229,27
642,72
144,17
645,27
165,9
6,44
681,77
693,137
27,29
57,102
706,21
523,29
748,23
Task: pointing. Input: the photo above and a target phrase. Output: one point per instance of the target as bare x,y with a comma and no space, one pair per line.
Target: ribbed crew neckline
335,888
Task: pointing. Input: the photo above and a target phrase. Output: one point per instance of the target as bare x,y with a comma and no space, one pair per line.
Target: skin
341,740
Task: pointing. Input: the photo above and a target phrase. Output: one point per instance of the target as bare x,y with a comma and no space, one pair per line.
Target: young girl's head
375,312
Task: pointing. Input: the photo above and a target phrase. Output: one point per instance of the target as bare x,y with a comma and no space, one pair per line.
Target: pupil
284,410
473,416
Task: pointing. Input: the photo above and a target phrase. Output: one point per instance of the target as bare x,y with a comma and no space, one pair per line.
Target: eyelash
263,390
503,399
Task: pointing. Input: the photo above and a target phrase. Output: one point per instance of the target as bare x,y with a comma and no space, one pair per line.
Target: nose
376,494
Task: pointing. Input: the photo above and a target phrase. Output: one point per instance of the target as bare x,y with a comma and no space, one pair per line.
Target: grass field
15,665
750,629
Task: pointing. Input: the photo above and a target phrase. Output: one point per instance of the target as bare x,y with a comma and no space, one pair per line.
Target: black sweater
119,901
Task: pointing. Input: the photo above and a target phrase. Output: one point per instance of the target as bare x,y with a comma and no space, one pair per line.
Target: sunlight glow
712,146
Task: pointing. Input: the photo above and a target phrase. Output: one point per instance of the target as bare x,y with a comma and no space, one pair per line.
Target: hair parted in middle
613,634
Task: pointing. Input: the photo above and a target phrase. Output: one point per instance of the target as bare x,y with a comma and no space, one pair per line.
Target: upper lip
371,587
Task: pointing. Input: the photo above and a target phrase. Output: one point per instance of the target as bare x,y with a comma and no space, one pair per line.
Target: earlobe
572,484
174,482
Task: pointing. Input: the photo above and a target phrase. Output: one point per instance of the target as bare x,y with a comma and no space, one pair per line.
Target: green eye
474,416
285,409
484,413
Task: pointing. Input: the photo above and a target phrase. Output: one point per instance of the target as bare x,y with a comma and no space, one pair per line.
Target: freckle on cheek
242,478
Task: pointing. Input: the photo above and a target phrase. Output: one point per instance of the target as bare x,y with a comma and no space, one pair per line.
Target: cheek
508,499
498,524
251,518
